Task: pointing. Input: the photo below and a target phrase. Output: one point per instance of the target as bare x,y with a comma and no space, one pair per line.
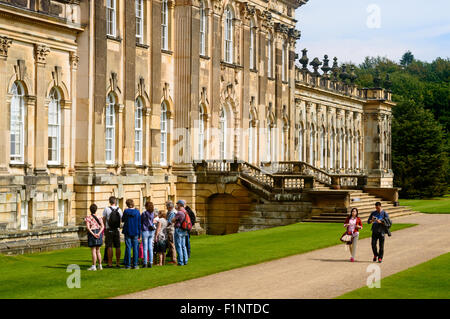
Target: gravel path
323,273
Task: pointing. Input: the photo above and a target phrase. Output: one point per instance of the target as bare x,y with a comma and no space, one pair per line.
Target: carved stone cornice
40,53
5,43
266,20
247,11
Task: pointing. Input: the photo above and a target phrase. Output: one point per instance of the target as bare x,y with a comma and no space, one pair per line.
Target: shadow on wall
223,215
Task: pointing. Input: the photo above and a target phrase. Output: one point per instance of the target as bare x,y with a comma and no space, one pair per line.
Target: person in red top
353,224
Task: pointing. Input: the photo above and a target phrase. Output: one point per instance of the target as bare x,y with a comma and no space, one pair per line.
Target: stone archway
223,215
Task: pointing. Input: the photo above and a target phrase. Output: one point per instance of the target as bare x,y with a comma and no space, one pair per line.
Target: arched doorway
223,215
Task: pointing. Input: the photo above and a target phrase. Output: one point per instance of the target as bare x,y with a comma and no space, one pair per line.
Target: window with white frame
300,143
203,28
201,133
311,146
111,17
138,126
140,21
54,127
61,212
17,124
332,151
24,215
357,150
269,56
164,25
110,133
341,149
250,139
252,45
322,147
164,131
223,133
228,35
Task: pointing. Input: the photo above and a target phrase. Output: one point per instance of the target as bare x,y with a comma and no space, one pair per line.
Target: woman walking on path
95,228
148,232
353,224
161,238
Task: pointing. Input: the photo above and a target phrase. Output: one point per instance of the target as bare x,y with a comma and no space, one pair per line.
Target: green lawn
430,280
44,275
438,205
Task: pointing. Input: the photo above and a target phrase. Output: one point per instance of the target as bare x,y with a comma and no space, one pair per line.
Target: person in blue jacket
132,231
379,219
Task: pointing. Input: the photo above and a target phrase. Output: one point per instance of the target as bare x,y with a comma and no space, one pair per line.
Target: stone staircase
364,202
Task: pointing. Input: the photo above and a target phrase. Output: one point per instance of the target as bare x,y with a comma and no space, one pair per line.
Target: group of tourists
380,227
159,234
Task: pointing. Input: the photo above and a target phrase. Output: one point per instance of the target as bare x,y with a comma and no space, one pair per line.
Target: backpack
191,215
186,224
114,219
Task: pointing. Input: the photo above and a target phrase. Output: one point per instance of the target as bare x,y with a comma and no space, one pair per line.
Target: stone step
326,219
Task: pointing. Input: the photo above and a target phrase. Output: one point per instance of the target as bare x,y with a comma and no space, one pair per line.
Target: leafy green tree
407,59
420,160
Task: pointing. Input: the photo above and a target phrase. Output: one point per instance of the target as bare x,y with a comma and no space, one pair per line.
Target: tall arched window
283,62
269,55
54,127
138,128
349,150
357,150
252,45
223,133
17,124
110,132
322,147
140,21
203,28
228,35
312,144
164,131
201,133
300,143
341,148
111,17
164,25
332,146
251,139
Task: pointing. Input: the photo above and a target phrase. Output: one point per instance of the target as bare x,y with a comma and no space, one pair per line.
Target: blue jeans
180,245
147,244
131,242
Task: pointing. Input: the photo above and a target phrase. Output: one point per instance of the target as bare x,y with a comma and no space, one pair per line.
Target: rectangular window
24,215
283,63
269,57
111,18
61,212
140,21
164,26
54,126
110,133
202,30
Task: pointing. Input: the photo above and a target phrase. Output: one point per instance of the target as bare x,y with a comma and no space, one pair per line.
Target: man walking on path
112,234
378,219
180,234
171,212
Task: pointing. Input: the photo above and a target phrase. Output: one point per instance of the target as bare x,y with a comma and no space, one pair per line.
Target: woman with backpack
148,233
95,228
353,224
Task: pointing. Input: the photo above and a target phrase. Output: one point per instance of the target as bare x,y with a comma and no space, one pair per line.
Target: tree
420,160
407,59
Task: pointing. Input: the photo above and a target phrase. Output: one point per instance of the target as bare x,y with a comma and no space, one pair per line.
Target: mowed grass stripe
44,275
438,205
429,280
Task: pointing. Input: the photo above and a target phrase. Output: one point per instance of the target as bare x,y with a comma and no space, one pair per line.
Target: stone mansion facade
167,99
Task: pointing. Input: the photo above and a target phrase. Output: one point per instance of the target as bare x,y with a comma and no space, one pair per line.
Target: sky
354,29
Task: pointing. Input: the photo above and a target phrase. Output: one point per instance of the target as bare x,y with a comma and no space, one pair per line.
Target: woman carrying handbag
95,228
353,224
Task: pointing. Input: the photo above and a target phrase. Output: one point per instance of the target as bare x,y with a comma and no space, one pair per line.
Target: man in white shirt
112,236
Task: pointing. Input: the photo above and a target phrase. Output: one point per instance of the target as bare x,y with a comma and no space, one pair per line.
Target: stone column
74,60
130,86
156,83
41,118
5,43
